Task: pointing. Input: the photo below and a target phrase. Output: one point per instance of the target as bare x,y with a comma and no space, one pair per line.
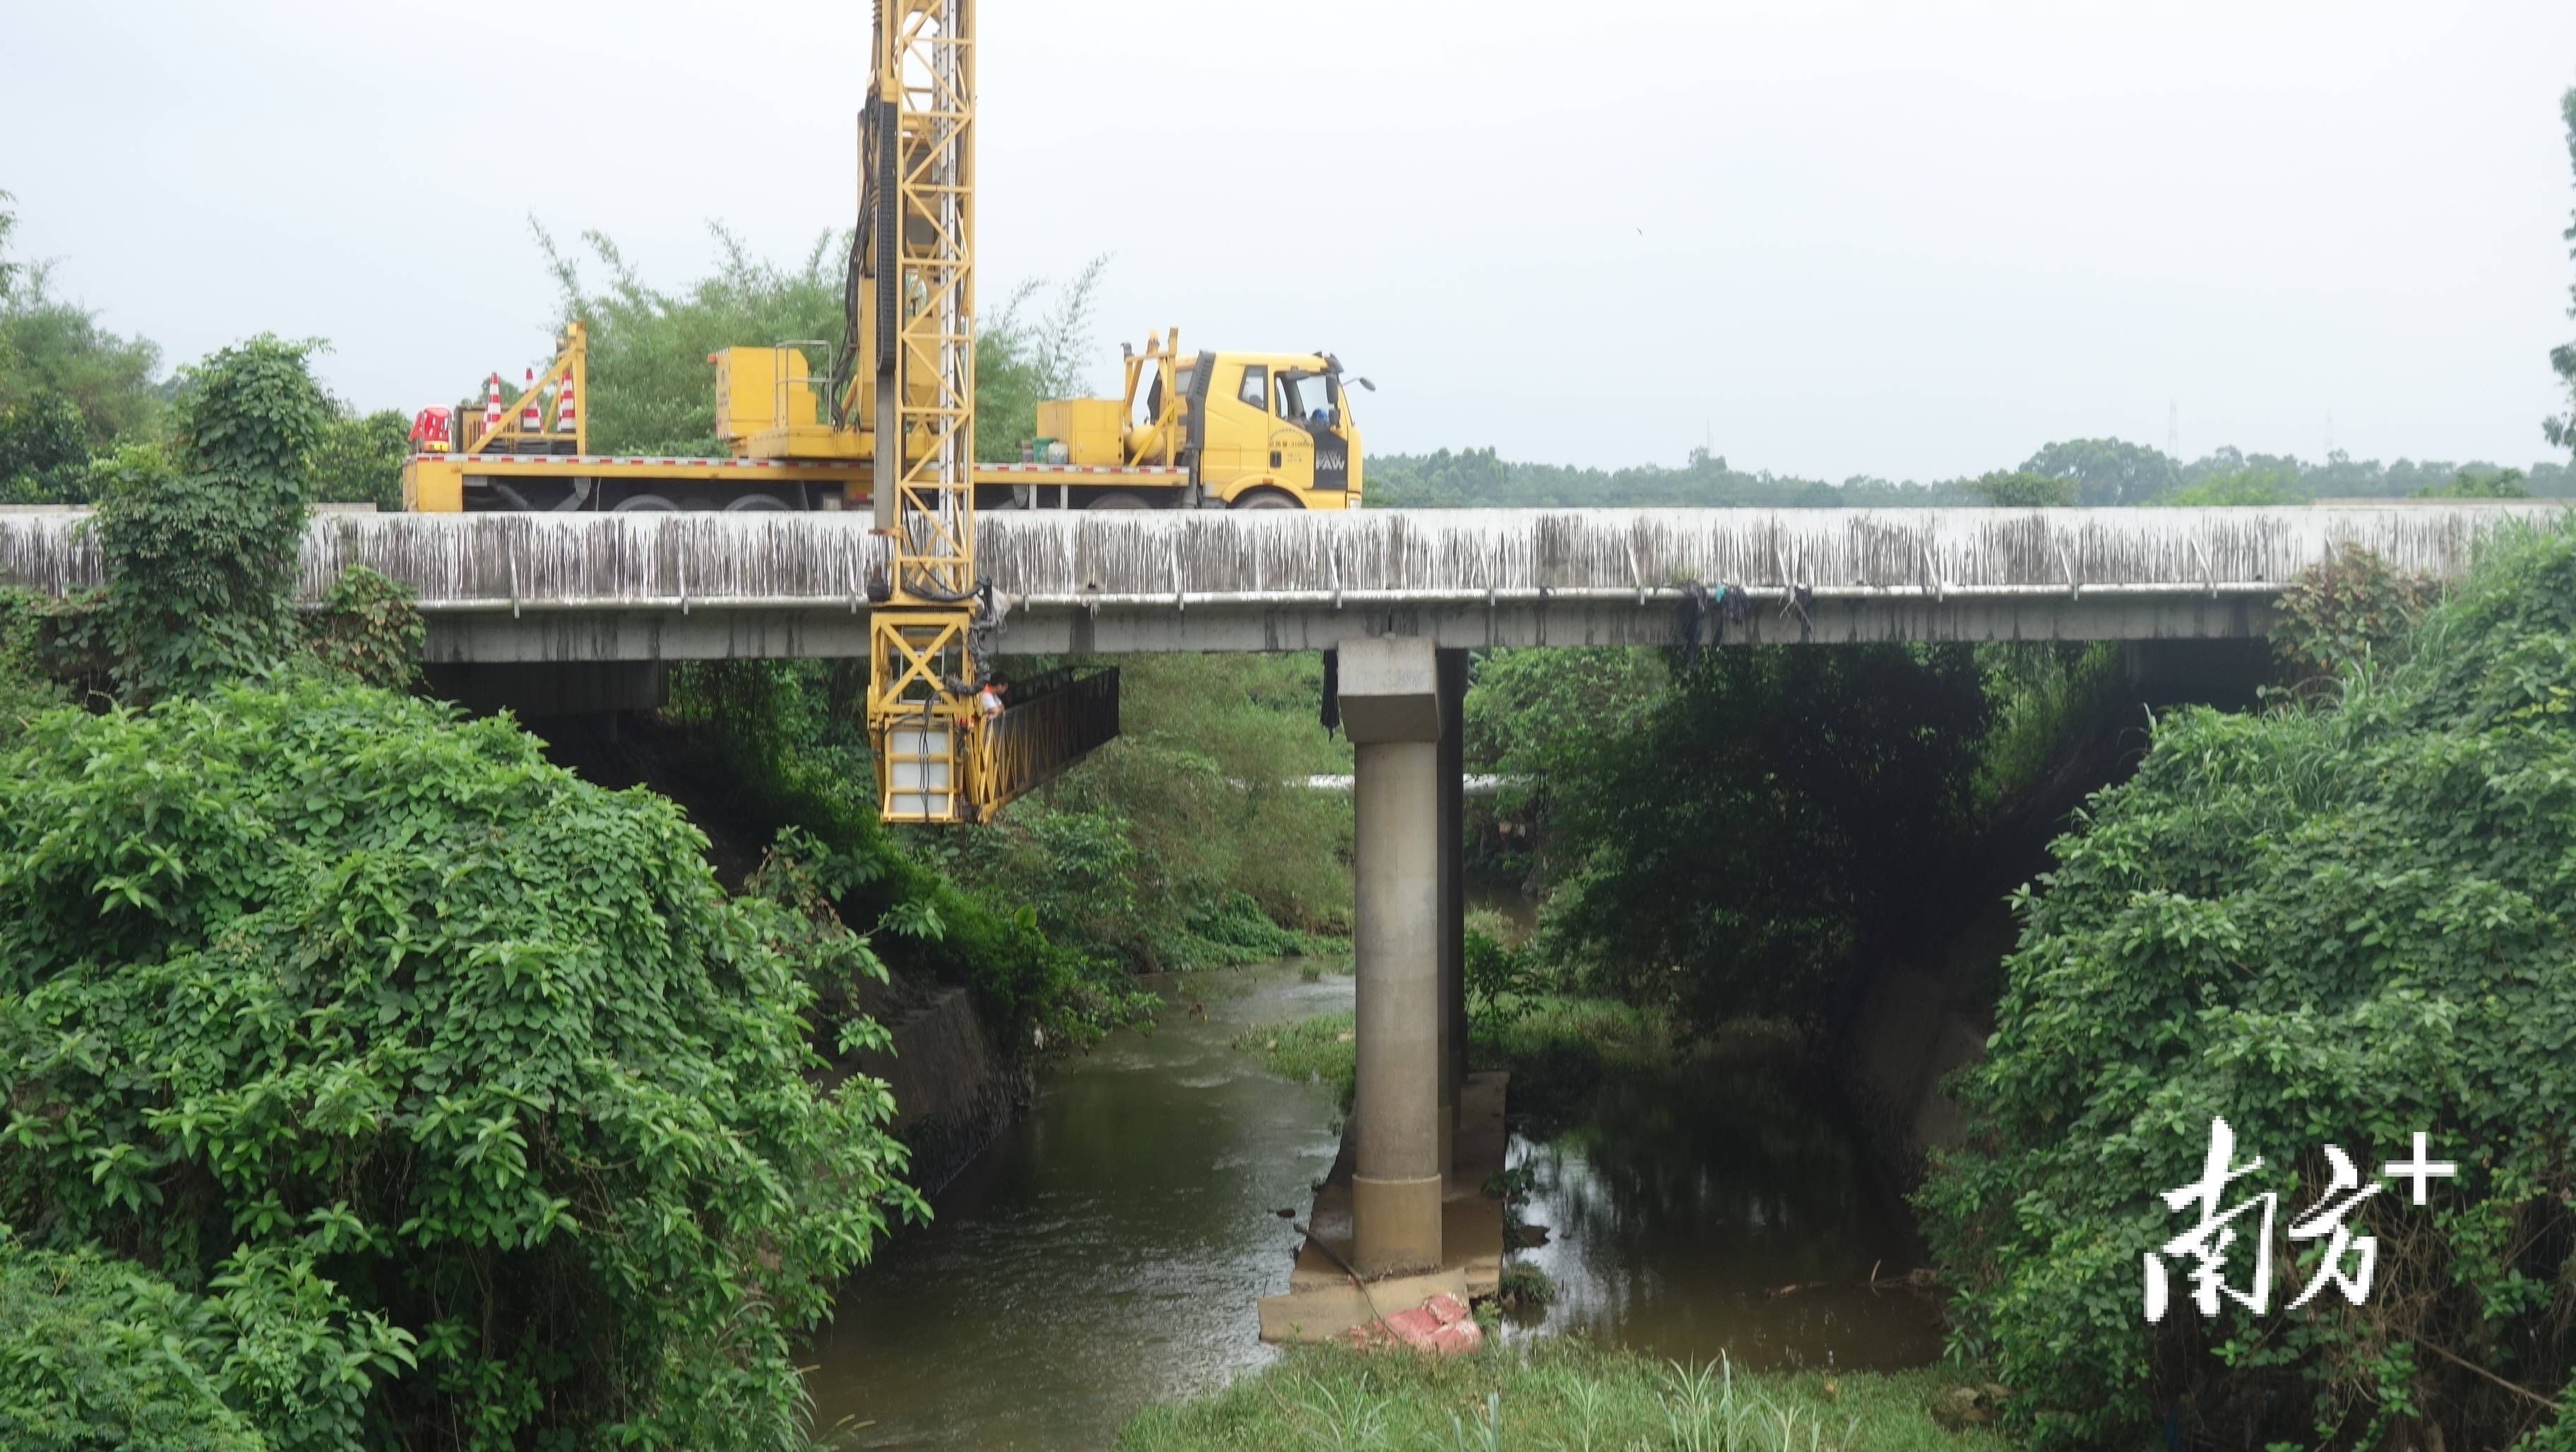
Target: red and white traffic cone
532,419
567,410
492,405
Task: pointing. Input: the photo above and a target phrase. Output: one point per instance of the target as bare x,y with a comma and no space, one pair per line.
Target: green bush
96,1354
359,458
2022,489
2330,926
28,688
1500,980
2341,611
368,630
2043,696
789,732
201,557
44,450
404,1046
1739,836
1193,840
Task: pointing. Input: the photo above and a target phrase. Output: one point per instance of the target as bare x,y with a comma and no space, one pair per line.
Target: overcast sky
1892,238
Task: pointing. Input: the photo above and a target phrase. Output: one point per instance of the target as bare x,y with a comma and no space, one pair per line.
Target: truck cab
1272,430
1234,430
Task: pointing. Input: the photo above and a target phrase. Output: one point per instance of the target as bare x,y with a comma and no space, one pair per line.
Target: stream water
1106,1251
1734,1211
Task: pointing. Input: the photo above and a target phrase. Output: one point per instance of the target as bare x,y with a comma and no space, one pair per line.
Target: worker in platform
990,699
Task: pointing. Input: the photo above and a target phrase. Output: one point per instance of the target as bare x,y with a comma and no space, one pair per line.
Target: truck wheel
643,504
741,502
1266,499
1119,499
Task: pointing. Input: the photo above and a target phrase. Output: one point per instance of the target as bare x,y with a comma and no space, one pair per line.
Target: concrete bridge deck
659,587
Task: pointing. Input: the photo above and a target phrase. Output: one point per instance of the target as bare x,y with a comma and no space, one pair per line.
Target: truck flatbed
450,483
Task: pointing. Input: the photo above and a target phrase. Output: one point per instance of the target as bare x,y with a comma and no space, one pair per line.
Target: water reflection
1105,1253
1681,1213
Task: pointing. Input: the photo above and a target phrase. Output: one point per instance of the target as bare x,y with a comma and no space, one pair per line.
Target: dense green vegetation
385,1084
201,559
1559,1392
322,1026
787,736
1731,831
102,1354
1191,841
1740,837
2339,923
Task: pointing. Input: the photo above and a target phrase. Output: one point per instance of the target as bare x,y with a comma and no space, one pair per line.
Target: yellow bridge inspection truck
887,424
1197,430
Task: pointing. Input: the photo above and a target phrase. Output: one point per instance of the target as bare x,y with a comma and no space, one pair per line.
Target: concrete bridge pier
1391,701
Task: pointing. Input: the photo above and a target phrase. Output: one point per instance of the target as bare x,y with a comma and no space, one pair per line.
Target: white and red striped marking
1130,470
617,459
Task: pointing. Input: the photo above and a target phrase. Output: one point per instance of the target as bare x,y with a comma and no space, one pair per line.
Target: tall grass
2043,697
1556,1393
1558,1047
1192,841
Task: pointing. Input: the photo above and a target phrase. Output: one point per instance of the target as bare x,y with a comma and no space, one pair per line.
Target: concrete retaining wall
1916,1023
954,1087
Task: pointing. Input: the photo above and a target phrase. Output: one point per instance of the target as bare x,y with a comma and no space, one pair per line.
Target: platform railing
1064,716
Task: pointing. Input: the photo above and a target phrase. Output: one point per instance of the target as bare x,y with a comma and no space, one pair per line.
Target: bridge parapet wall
678,586
1460,552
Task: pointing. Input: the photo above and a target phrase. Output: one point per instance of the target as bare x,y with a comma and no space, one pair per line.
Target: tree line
2087,472
76,397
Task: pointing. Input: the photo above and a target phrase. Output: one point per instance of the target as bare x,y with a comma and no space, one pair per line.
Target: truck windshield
1302,395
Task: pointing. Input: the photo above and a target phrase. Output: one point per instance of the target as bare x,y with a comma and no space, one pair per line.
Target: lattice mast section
918,210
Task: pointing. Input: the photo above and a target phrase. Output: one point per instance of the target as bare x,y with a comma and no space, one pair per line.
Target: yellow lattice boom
917,274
